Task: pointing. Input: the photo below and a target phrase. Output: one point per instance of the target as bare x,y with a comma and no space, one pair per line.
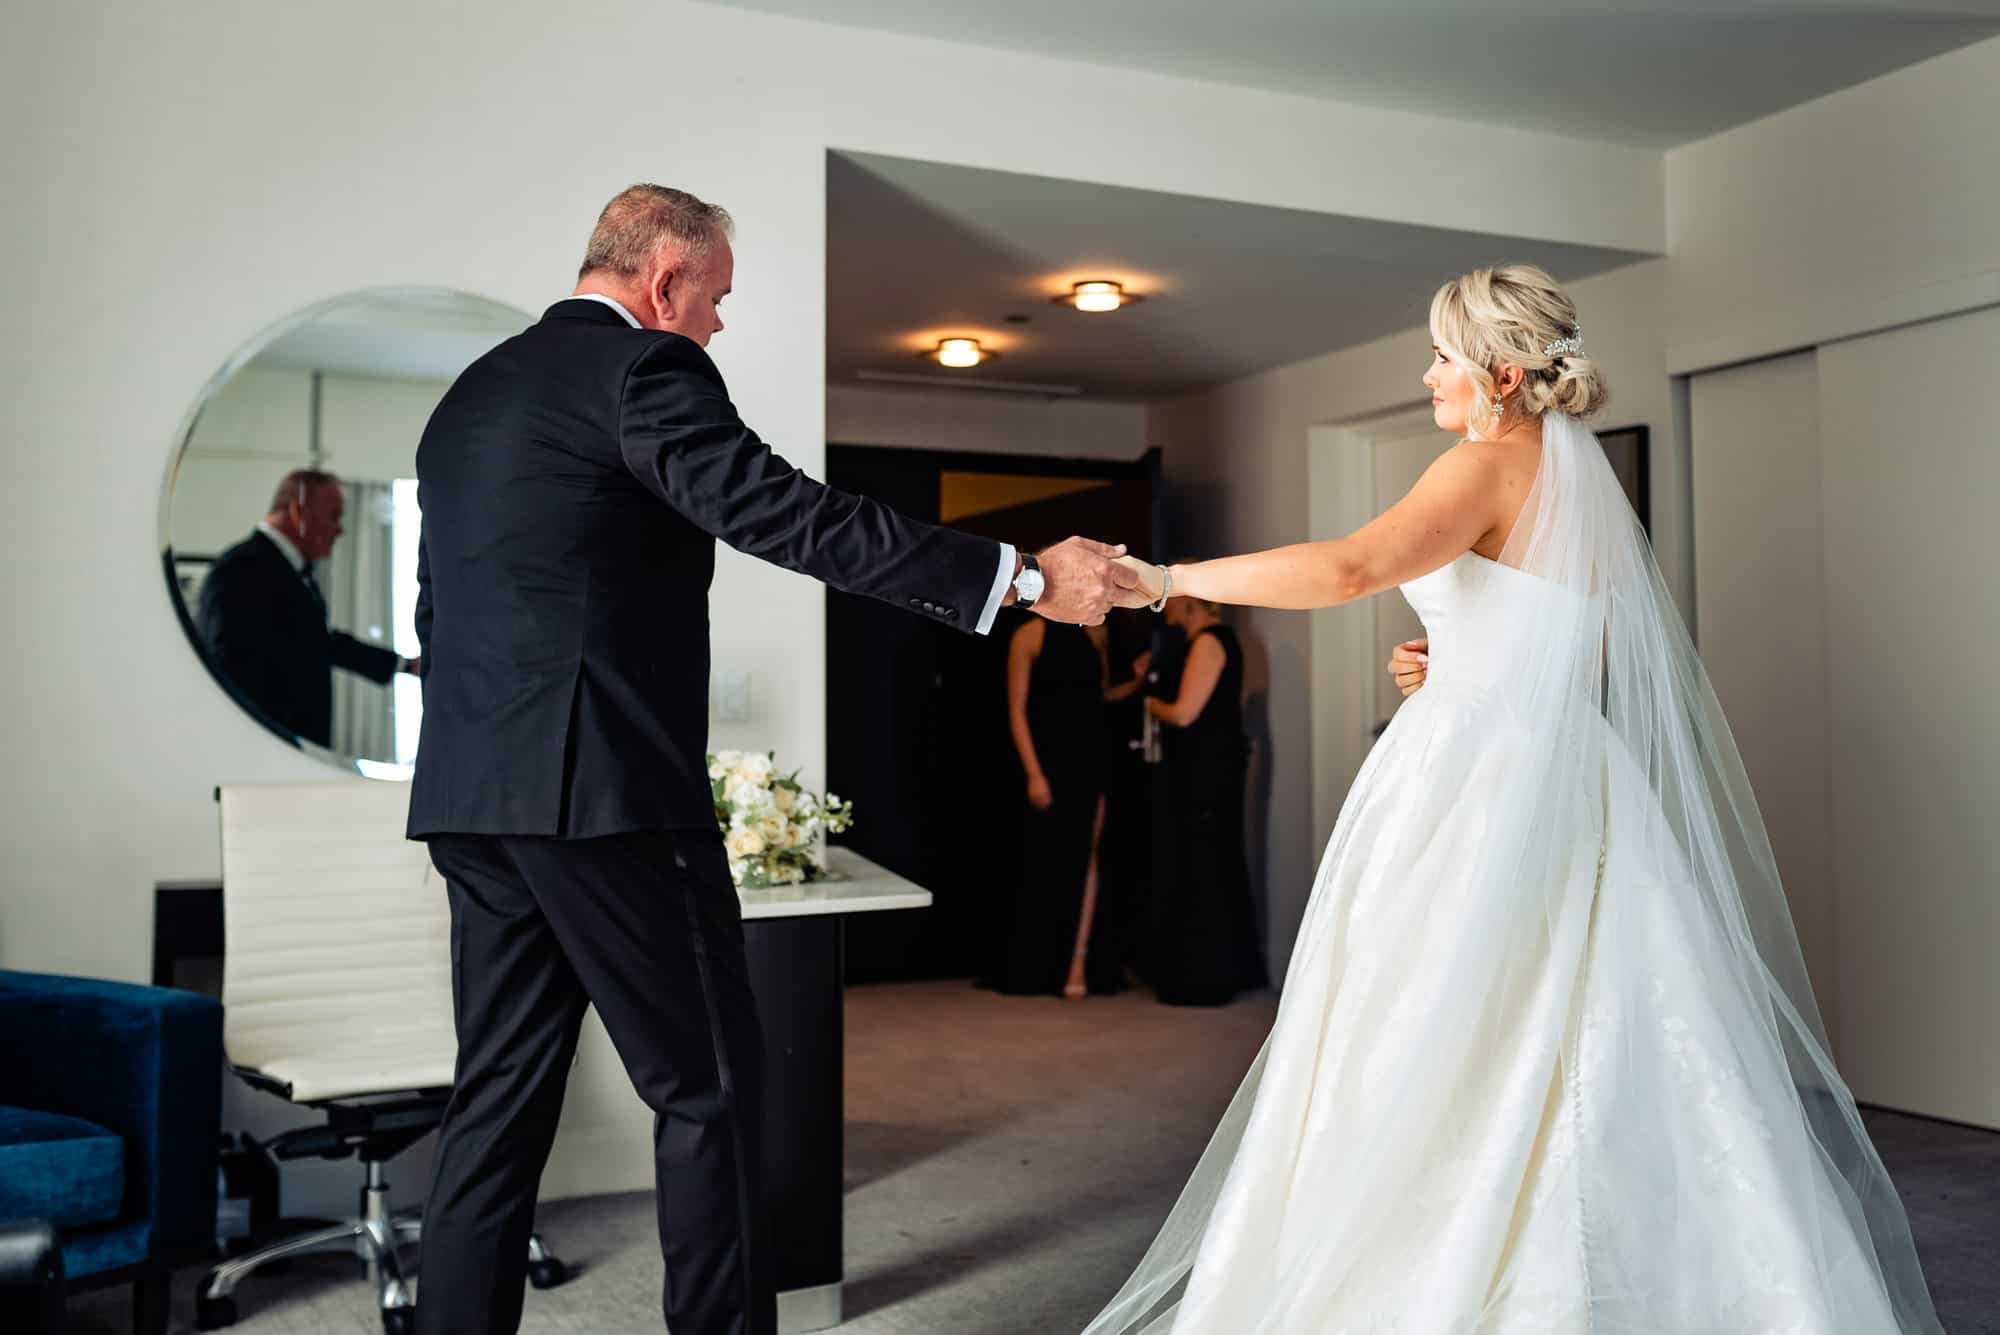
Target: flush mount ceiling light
1097,294
959,352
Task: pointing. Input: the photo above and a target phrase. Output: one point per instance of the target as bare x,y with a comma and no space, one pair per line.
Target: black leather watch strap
1028,562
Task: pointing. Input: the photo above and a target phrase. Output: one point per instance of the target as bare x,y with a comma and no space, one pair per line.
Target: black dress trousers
647,927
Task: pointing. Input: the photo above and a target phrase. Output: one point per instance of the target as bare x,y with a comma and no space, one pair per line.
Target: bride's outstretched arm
1456,503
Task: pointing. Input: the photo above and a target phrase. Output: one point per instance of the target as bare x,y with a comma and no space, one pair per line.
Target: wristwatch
1029,584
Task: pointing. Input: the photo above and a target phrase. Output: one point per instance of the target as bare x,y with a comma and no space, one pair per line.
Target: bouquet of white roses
771,824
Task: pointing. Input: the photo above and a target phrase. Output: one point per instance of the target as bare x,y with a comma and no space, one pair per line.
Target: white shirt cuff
1001,579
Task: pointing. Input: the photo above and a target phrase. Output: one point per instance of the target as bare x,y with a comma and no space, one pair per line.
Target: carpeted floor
1009,1159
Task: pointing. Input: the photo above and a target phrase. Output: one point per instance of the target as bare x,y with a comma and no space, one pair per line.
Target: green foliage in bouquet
772,825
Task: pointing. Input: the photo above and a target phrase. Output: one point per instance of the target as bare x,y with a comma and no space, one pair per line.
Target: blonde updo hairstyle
1506,316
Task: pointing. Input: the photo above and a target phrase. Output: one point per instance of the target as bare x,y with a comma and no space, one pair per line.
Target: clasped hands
1083,580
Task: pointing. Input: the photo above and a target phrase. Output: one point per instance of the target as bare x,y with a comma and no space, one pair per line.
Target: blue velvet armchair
110,1113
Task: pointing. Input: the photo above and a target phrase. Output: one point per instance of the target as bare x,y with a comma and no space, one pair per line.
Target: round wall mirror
289,523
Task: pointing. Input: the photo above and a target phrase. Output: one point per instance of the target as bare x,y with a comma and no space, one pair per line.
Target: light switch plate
732,697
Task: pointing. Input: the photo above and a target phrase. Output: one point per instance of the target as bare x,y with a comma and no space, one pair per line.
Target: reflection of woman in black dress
1203,948
1056,709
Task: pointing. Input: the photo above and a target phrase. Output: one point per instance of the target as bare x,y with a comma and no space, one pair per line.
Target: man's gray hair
297,485
642,219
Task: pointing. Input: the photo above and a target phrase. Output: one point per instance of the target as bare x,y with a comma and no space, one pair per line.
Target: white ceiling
1651,73
919,250
411,333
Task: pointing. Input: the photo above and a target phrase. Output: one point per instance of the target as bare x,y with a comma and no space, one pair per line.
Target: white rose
747,796
744,843
755,766
795,835
772,827
784,798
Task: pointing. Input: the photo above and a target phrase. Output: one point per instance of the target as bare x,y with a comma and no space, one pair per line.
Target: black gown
1066,719
1203,946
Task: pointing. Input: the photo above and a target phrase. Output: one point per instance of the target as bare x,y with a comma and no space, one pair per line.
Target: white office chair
336,993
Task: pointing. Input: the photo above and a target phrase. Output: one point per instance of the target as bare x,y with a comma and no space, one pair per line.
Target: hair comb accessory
1566,347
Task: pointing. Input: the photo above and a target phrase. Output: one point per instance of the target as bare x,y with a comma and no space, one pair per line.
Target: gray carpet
1008,1160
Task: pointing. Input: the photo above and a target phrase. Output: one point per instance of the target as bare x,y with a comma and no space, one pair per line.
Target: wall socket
732,697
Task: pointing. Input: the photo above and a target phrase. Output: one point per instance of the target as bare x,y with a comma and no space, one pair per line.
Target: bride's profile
1547,1059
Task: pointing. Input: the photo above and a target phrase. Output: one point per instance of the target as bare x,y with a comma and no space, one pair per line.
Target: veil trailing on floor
1603,813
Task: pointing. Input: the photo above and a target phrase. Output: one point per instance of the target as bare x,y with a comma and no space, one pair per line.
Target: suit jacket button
916,602
950,612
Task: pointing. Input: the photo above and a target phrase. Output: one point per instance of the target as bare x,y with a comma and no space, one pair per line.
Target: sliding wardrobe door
1911,483
1760,617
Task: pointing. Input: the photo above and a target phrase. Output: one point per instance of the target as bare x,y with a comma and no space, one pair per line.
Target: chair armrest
145,1062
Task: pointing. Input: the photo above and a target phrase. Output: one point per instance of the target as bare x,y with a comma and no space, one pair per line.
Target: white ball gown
1546,1060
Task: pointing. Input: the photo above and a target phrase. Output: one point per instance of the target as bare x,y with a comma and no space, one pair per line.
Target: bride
1547,1059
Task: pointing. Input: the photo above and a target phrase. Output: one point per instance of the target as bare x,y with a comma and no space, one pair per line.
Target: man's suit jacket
573,483
266,632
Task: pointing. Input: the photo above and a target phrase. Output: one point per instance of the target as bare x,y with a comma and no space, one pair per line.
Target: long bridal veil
1606,775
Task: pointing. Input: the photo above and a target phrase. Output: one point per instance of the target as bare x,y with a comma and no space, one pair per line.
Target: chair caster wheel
399,1321
547,1272
212,1313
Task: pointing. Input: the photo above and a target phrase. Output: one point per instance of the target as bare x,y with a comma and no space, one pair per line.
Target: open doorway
917,733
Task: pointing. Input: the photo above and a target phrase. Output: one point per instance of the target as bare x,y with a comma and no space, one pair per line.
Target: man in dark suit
574,482
264,620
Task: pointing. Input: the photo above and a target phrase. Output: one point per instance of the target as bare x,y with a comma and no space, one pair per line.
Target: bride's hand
1410,665
1151,581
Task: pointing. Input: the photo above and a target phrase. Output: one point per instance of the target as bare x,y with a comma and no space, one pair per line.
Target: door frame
1340,487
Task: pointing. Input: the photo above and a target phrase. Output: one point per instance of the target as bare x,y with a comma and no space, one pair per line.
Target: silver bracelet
1166,588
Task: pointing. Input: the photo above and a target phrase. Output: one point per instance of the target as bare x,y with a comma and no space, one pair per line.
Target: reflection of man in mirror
264,618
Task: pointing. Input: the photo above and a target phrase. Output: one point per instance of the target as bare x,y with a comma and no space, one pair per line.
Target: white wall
1867,208
187,175
370,425
258,427
986,423
1238,475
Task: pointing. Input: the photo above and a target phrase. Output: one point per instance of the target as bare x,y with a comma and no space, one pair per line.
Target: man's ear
665,289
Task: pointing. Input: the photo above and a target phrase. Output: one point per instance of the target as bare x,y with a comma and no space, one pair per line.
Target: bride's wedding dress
1546,1060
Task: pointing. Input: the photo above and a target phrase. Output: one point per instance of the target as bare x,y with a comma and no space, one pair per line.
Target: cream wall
1861,226
986,423
1868,208
258,427
1238,476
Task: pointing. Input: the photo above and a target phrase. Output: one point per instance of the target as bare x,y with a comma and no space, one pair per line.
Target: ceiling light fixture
960,352
1097,294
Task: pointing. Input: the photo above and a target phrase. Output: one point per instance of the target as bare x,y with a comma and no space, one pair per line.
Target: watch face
1029,585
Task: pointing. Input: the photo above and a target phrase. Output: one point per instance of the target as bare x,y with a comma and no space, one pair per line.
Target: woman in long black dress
1203,948
1056,709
